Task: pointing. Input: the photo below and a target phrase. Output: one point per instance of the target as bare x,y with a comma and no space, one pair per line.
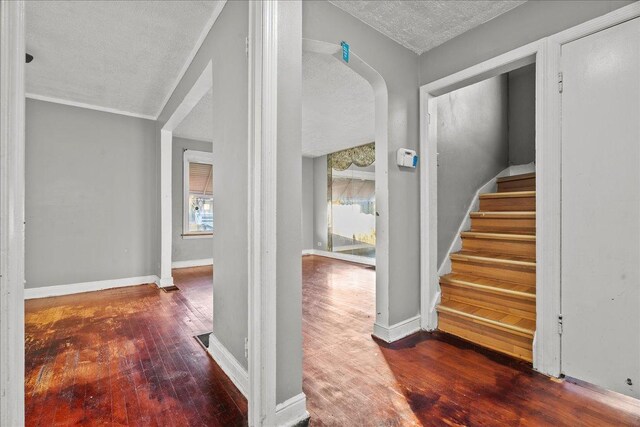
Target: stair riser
504,247
528,184
504,303
508,204
526,276
487,336
499,225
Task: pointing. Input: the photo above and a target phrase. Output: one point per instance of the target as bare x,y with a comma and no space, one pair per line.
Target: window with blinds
198,193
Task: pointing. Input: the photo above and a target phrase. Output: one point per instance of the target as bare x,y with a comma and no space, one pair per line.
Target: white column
12,174
166,142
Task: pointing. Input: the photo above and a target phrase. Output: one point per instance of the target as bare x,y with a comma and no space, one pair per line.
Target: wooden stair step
500,243
503,287
505,333
521,182
508,201
518,222
495,266
502,296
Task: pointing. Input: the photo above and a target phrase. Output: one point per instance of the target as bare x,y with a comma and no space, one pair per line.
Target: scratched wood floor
127,357
425,379
152,372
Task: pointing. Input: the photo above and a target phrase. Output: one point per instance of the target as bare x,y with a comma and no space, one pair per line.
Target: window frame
188,157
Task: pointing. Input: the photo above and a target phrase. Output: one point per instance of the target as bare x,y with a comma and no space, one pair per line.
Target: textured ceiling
124,55
199,122
338,108
423,25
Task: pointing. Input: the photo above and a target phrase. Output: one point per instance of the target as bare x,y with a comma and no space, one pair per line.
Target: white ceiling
122,55
198,124
423,25
338,108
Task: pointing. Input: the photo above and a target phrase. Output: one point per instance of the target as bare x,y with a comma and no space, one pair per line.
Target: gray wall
522,115
524,24
91,195
320,226
185,249
288,221
398,67
307,203
225,46
473,147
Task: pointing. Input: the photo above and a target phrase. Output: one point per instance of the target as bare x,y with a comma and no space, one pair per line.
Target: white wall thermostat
407,158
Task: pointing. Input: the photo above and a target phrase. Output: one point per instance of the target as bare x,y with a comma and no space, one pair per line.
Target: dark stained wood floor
426,379
152,372
127,357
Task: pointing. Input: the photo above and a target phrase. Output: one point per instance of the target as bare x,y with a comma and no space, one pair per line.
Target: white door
601,208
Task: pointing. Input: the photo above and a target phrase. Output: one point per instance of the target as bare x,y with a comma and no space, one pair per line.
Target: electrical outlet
246,348
319,244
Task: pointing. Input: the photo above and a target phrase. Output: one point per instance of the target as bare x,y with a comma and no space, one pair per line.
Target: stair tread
508,195
496,285
504,214
516,177
488,316
523,237
493,257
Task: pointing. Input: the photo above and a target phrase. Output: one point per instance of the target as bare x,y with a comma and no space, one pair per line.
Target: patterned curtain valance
361,156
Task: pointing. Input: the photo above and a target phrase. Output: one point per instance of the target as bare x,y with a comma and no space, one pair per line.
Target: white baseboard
74,288
292,411
164,282
343,257
397,331
229,364
192,263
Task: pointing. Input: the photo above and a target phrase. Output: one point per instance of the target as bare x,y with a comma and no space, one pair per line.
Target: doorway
600,208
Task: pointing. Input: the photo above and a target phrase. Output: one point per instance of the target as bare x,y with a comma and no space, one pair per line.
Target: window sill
197,235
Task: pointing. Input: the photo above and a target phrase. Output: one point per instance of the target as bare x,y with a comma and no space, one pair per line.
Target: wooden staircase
489,298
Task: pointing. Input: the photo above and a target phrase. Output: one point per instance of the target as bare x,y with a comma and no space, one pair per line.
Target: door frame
546,53
378,85
12,211
546,351
554,68
191,99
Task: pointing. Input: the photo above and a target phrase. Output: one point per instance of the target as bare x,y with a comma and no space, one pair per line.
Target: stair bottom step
487,336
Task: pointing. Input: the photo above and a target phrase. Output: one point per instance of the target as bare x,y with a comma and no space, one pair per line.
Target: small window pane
200,198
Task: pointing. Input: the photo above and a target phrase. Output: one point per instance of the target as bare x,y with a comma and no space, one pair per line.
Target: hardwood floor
425,379
152,372
127,356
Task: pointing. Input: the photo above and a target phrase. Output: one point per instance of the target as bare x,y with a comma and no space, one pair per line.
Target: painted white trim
254,132
192,263
12,190
398,330
76,288
197,236
382,167
547,343
217,10
292,411
231,367
343,257
191,156
88,106
268,191
166,208
429,288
